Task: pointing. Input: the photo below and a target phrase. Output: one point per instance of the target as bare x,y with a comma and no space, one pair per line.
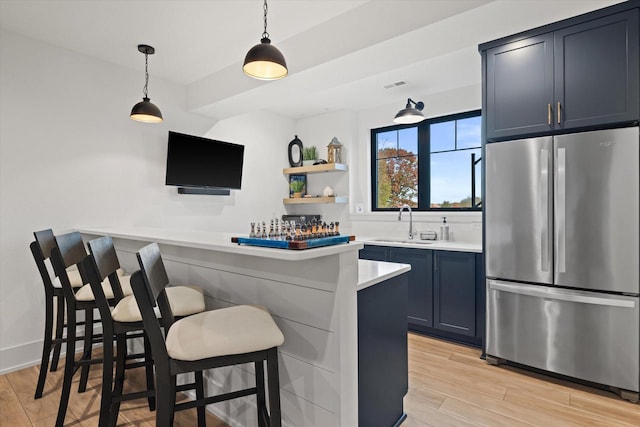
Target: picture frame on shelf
297,185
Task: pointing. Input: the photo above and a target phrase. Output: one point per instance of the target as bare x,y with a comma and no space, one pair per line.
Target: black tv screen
193,161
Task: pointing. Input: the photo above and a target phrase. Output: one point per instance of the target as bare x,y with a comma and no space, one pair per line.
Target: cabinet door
420,308
454,291
519,87
374,253
382,352
596,72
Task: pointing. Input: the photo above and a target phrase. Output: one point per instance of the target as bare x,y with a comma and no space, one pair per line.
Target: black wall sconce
410,114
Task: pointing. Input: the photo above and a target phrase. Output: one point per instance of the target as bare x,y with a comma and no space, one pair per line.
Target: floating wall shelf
312,200
329,167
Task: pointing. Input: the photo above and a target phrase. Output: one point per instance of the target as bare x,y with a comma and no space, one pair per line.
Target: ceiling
341,53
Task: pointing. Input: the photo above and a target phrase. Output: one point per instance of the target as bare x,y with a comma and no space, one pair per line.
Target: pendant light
410,114
264,61
145,111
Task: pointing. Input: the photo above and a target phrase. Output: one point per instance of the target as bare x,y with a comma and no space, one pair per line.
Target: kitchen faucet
410,219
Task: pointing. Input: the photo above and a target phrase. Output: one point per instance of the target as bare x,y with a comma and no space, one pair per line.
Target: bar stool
216,338
121,322
41,251
54,296
69,251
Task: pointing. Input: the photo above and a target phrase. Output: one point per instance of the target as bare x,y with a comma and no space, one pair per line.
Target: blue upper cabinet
596,72
519,87
573,75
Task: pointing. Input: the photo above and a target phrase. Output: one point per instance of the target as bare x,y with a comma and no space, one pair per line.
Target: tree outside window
397,168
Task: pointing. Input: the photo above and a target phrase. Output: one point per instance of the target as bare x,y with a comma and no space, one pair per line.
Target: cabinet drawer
589,335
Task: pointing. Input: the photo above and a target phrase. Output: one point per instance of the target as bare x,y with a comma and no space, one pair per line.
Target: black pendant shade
410,114
264,61
145,111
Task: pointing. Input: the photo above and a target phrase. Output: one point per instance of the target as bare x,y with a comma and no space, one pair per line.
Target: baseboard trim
28,354
20,357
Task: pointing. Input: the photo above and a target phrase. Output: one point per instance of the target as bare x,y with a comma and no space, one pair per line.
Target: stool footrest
135,356
133,396
183,387
215,399
135,335
88,362
136,365
97,339
95,321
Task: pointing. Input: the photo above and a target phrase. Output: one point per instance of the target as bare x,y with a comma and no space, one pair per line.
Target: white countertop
439,245
216,241
373,272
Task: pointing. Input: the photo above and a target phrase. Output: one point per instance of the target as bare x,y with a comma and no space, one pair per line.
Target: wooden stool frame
100,264
54,296
148,286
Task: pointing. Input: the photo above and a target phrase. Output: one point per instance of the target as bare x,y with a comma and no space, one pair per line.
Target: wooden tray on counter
293,244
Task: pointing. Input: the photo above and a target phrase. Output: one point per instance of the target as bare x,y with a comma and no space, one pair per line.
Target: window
432,165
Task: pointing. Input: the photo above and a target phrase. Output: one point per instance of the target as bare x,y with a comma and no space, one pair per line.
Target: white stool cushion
184,301
232,330
74,277
86,294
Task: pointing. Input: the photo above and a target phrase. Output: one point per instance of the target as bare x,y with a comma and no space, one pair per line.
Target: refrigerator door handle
561,210
557,294
543,206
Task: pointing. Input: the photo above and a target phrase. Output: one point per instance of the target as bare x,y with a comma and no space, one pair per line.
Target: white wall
70,156
266,137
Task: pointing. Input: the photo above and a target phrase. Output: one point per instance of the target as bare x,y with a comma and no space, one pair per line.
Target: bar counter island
344,359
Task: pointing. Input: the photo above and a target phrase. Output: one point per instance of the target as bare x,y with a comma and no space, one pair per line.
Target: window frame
424,162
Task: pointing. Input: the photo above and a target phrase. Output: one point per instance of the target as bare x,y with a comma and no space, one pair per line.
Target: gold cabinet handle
558,112
549,114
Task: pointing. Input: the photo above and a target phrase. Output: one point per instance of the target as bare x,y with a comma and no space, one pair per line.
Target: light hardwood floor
18,408
448,386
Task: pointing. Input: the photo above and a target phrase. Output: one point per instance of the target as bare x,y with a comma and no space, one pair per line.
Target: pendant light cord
146,74
265,35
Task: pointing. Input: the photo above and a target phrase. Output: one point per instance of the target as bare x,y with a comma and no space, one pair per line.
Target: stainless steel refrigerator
562,250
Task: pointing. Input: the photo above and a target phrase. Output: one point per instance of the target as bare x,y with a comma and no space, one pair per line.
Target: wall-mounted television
194,162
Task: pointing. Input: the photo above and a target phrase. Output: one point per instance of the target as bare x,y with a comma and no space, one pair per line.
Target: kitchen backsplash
465,227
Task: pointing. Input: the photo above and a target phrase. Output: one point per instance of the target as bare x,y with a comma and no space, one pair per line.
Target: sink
413,242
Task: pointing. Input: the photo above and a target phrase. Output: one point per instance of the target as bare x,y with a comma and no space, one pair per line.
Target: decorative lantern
334,151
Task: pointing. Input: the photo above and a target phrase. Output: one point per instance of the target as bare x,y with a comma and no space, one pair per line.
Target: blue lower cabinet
374,253
454,292
446,291
420,309
382,353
